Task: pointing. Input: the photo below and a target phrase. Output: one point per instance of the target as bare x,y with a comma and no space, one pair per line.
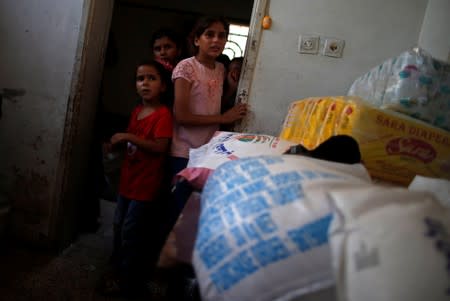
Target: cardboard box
394,147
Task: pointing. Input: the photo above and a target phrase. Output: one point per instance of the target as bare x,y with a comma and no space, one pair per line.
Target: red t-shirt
142,171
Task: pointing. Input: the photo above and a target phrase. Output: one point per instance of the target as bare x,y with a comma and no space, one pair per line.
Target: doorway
132,25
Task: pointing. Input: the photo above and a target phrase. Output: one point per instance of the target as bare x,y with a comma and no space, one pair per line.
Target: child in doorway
140,209
233,73
198,82
166,47
231,83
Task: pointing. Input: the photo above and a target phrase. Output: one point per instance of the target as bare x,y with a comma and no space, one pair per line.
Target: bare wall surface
373,32
435,34
39,41
81,151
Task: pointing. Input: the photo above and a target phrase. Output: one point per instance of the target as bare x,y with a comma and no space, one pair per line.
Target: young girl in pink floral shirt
198,83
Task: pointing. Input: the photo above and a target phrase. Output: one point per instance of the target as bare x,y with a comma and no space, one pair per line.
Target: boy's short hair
239,60
224,59
166,32
166,78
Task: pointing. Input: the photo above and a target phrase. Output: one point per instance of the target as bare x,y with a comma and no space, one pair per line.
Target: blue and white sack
260,236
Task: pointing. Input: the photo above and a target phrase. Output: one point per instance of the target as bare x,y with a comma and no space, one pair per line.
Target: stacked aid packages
413,83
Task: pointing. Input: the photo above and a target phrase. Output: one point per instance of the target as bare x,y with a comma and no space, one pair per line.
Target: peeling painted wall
39,42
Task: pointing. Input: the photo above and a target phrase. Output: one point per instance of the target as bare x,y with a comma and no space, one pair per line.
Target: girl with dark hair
198,82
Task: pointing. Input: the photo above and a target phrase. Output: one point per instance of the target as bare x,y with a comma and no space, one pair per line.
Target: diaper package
262,233
394,147
413,83
389,244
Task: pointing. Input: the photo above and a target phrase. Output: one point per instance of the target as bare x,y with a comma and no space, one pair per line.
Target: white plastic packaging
390,244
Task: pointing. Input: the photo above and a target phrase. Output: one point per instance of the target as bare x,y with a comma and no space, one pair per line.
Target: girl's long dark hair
205,22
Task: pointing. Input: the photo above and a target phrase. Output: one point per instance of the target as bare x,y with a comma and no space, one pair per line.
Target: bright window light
237,38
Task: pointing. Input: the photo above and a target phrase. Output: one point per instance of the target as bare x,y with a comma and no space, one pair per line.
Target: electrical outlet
308,44
333,47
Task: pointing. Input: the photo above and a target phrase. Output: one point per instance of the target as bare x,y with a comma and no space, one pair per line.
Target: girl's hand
119,138
235,113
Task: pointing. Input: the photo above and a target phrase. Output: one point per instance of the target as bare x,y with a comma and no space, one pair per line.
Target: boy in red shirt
140,208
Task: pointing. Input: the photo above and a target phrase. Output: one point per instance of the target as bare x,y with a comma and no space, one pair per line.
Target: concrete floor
71,276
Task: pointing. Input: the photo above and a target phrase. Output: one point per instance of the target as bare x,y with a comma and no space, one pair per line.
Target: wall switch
308,44
333,47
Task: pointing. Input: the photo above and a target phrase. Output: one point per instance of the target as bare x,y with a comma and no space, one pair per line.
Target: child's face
148,83
166,50
212,41
234,71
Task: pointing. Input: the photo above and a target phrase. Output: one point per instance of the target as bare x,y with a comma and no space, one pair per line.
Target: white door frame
251,53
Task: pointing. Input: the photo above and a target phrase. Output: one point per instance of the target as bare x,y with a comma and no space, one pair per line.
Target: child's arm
160,145
184,116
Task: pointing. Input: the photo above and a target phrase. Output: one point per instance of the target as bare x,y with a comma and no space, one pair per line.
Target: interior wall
39,42
133,23
79,171
373,32
435,34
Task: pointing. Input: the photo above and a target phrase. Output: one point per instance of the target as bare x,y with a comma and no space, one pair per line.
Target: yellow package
309,108
315,122
394,147
297,118
332,113
293,120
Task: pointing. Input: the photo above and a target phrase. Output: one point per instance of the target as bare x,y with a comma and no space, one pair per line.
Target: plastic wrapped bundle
389,244
414,83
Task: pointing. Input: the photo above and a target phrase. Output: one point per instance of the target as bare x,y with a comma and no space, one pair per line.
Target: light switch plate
333,47
308,44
